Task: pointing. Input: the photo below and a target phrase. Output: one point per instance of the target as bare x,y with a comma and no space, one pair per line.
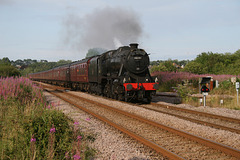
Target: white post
200,100
217,84
237,96
237,87
204,100
221,102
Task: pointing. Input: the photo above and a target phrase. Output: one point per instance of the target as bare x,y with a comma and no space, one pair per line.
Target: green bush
42,125
8,71
225,87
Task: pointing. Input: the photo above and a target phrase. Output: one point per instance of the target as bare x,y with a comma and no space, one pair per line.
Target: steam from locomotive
108,28
121,74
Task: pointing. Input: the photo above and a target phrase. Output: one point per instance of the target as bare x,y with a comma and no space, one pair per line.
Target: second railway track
212,120
179,143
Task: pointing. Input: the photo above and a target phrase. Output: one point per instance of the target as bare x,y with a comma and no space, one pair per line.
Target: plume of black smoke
105,28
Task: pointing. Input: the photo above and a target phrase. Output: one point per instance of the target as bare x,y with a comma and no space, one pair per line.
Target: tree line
43,66
23,67
204,63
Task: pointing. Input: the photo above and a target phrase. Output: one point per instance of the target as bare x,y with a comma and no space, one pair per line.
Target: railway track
171,142
212,120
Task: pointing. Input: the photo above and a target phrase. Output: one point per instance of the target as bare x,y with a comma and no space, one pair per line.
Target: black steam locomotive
121,74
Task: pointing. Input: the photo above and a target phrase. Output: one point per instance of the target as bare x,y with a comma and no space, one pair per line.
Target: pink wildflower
76,157
52,130
79,137
33,139
87,119
48,106
76,123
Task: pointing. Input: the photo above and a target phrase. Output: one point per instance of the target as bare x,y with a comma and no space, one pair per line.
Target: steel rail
218,146
148,143
196,120
199,112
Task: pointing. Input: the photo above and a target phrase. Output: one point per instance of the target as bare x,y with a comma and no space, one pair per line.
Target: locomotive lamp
156,80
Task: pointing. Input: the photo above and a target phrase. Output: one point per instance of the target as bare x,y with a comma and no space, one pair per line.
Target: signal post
204,91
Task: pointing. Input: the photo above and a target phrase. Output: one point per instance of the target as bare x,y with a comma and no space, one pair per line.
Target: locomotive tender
121,74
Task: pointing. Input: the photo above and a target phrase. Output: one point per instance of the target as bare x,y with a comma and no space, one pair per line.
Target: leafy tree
43,61
8,71
154,63
18,62
62,62
169,65
194,67
43,65
218,68
215,63
159,67
5,61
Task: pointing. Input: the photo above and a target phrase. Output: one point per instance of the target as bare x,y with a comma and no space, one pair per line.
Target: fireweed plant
30,128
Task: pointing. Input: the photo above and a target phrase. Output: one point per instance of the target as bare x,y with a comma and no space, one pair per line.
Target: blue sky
171,29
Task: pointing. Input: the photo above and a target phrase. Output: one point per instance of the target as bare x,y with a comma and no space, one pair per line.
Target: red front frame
136,86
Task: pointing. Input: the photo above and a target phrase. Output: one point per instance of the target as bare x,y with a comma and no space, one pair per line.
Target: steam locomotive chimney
134,45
